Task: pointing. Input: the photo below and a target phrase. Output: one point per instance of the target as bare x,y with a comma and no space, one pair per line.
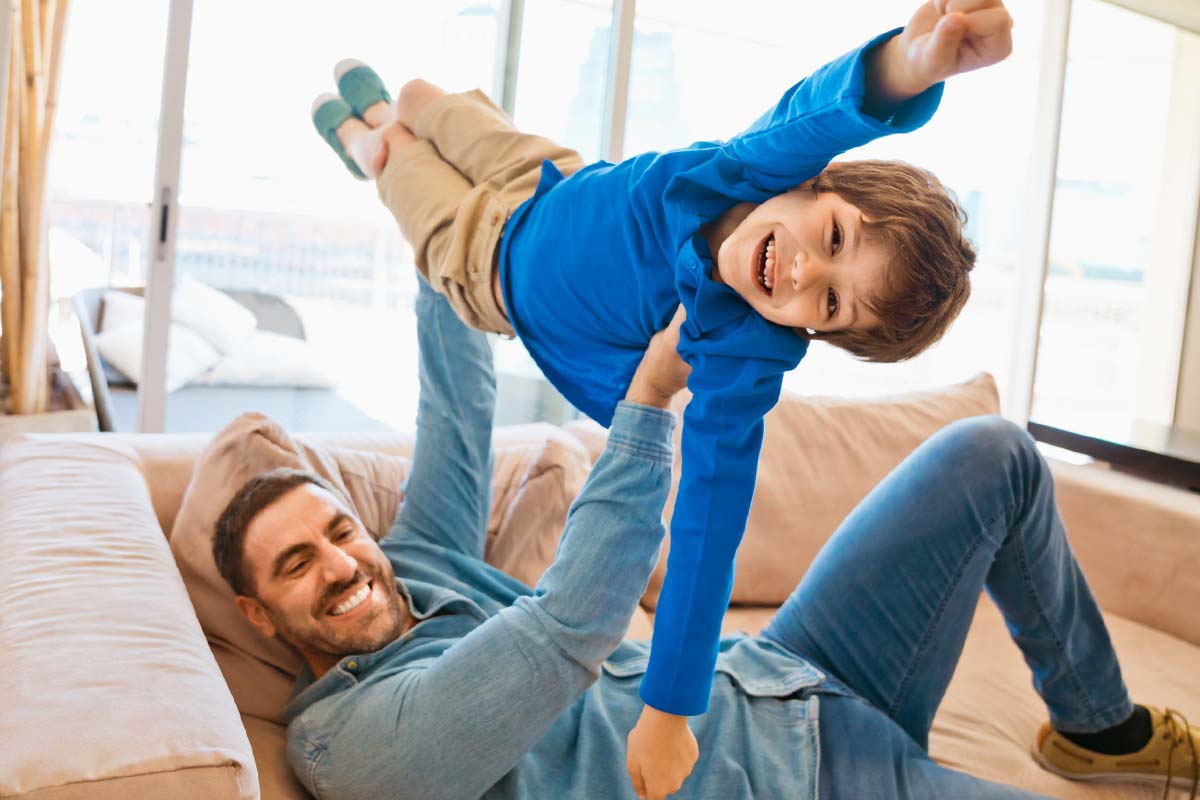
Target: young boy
760,242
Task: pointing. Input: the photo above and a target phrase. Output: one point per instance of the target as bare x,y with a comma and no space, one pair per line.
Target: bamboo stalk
45,15
52,51
53,78
10,243
53,18
31,353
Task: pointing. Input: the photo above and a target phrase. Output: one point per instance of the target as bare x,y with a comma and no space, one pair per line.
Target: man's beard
314,635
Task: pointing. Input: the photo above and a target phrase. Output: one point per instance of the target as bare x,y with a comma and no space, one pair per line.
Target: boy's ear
256,615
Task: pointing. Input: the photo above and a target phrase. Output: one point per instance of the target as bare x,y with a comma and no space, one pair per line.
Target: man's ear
256,614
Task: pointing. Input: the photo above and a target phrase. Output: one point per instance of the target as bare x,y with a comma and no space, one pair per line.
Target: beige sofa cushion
105,676
826,455
538,471
1136,538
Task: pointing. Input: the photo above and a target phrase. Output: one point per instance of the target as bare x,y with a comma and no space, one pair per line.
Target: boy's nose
805,271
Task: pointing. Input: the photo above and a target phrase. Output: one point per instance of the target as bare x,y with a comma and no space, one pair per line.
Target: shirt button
351,665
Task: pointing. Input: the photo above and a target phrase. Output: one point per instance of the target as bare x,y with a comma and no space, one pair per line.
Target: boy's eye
832,304
344,534
836,238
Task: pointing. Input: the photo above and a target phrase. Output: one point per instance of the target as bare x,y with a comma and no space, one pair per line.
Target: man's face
321,582
801,260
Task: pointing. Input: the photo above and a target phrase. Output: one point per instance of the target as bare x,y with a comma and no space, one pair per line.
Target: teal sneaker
329,111
359,85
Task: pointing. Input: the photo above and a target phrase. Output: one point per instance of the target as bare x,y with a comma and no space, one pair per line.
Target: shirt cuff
907,116
643,430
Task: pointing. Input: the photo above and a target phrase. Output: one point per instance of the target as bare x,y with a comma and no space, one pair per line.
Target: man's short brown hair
927,283
228,547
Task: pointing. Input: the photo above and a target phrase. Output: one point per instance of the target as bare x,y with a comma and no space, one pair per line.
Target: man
434,675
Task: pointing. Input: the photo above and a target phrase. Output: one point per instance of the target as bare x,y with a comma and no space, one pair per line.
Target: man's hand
662,373
661,753
943,38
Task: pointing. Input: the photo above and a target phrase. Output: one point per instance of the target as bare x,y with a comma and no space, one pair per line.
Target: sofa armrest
1138,543
107,683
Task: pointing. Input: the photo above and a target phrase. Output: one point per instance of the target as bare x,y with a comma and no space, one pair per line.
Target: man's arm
448,493
453,729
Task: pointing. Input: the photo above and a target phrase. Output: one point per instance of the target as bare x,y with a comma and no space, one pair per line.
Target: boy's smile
801,259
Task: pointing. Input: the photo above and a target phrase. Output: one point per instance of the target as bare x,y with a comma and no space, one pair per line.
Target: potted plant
35,394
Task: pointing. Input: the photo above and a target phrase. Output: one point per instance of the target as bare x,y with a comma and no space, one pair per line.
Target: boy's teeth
765,276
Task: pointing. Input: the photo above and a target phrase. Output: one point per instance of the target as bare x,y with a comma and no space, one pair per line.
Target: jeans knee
988,440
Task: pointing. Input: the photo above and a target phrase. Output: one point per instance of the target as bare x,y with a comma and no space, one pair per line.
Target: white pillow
119,309
270,359
222,321
188,354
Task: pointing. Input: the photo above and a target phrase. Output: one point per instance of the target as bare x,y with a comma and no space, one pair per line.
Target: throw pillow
118,309
270,359
188,355
832,452
535,478
222,321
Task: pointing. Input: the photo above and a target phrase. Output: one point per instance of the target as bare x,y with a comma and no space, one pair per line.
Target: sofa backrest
105,674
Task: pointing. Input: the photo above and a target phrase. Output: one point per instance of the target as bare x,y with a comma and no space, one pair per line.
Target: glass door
100,180
269,216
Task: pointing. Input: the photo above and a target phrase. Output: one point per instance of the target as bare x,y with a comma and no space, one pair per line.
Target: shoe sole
1112,777
329,137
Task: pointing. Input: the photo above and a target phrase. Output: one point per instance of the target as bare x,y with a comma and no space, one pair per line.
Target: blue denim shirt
502,691
595,264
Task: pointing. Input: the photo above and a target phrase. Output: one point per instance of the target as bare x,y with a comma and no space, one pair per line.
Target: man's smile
353,599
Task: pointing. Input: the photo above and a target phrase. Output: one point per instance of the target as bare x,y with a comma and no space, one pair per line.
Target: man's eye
832,304
344,534
296,568
836,238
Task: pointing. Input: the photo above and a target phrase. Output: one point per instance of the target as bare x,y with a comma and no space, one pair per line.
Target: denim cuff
643,430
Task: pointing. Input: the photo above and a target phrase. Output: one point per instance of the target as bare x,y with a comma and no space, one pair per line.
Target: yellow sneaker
1171,758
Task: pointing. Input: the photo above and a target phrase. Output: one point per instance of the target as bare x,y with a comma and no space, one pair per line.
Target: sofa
125,671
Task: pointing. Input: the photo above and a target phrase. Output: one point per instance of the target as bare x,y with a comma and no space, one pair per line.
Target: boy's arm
722,437
892,84
943,39
735,379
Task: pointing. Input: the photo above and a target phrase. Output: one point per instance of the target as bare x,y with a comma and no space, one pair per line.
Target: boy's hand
944,38
661,753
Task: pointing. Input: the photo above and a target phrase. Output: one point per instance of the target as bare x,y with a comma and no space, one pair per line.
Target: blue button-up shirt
594,265
502,691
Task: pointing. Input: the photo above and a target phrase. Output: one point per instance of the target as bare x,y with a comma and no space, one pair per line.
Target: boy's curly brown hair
927,283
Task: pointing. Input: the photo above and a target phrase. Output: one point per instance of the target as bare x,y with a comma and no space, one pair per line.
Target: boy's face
801,260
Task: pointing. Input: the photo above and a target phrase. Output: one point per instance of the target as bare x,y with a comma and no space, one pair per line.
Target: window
738,59
263,204
563,65
1123,224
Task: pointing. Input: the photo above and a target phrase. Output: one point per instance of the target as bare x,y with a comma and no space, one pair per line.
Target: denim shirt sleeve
448,493
819,118
453,729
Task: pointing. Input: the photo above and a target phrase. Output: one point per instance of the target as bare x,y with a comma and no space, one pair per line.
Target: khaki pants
452,192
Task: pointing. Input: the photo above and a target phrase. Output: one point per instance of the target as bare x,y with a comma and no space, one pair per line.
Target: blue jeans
886,606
